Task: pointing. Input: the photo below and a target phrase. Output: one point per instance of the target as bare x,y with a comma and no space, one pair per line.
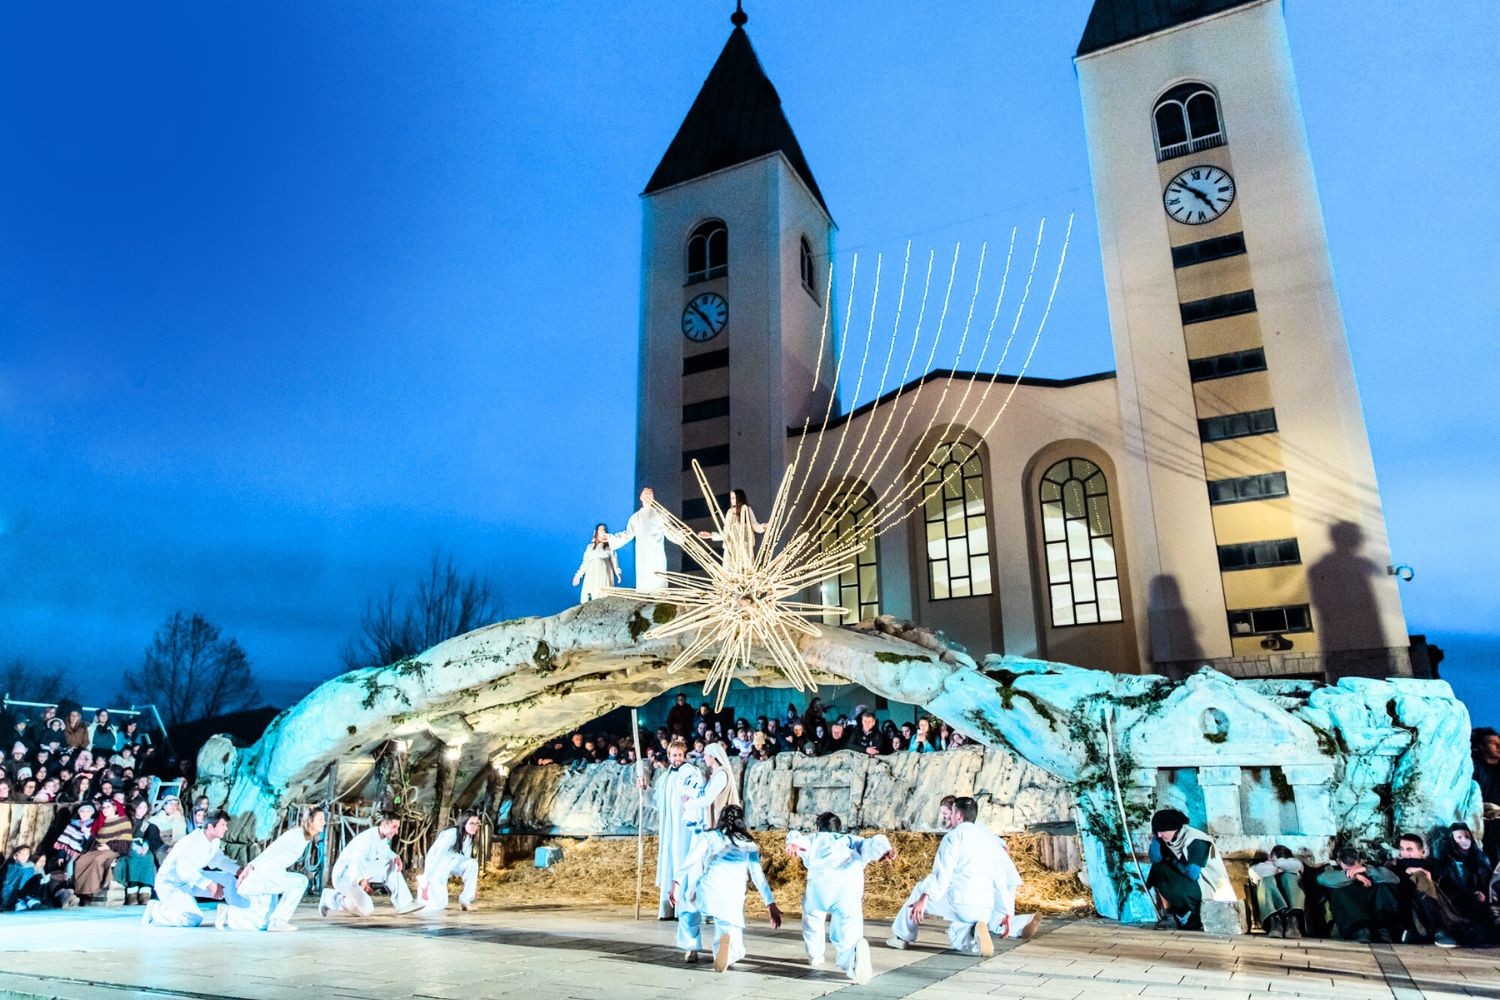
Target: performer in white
451,855
678,783
721,790
600,568
650,531
973,884
266,878
365,861
196,866
835,863
740,529
711,882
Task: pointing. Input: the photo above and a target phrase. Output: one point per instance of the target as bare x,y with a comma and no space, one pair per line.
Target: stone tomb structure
1362,759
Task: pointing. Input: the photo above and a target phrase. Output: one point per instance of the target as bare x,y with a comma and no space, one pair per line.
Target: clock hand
701,315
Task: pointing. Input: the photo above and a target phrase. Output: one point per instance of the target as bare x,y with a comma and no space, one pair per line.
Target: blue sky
293,293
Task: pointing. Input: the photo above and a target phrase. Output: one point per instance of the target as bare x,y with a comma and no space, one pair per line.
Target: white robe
444,861
699,810
270,881
973,881
184,875
835,865
598,570
712,882
367,856
674,832
649,530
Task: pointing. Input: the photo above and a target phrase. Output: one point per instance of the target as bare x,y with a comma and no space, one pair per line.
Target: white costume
184,876
712,882
367,856
267,880
703,808
836,888
649,530
973,880
740,529
598,570
445,860
674,834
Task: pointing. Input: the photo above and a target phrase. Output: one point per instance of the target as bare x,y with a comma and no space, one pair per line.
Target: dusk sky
292,294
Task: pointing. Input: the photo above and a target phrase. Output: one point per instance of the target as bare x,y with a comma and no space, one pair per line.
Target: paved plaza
549,952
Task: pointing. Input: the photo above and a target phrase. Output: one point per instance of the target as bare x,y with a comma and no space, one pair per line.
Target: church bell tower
736,240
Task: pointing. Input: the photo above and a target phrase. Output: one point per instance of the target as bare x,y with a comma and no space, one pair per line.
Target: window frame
1232,490
1284,610
1264,553
706,232
972,523
1080,474
860,508
1266,419
1181,96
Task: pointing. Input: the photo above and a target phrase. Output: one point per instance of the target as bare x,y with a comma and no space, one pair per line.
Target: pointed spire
736,117
1114,21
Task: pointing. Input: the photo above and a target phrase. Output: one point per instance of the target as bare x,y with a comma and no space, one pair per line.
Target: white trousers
690,934
350,897
433,886
175,906
272,897
962,917
843,908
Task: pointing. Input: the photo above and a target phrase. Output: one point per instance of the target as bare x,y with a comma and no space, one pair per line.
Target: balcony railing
1190,146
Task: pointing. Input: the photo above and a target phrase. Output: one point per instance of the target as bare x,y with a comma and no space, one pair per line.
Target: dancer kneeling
973,884
711,882
366,861
266,881
450,856
835,864
196,866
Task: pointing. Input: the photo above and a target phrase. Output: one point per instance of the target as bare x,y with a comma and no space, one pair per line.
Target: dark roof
1114,21
942,373
736,117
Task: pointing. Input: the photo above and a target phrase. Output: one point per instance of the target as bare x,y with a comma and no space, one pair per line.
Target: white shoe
325,902
149,909
221,917
982,937
900,944
863,970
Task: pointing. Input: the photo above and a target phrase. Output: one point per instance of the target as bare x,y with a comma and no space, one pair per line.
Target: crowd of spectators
818,731
108,824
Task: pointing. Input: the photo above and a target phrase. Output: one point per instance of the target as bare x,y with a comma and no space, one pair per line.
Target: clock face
1199,194
704,317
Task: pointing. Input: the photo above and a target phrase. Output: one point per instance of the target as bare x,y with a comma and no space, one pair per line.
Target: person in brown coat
75,733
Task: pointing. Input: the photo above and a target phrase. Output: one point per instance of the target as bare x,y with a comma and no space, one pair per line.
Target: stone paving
554,952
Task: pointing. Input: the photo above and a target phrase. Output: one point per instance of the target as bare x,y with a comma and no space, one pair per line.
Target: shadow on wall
1343,594
1173,638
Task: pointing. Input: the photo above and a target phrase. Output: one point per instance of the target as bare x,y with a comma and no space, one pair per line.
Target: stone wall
895,792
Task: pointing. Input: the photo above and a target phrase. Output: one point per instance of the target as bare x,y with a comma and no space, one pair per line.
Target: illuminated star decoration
741,604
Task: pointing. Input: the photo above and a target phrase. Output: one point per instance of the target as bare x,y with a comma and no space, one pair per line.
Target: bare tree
189,672
445,603
22,682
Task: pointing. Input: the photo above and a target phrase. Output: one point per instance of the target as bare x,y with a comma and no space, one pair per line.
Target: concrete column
1221,800
1310,791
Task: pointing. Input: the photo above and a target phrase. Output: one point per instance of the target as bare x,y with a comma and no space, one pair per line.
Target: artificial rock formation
1299,762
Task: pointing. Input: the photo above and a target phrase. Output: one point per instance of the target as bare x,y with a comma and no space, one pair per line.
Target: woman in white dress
740,529
711,882
599,568
450,856
266,881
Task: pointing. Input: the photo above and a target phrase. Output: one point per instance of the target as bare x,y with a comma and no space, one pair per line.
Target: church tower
1259,518
736,240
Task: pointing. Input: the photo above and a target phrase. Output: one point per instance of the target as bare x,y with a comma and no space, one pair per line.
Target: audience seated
1279,898
1362,897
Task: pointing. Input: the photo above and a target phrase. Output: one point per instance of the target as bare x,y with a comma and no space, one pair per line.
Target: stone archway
496,693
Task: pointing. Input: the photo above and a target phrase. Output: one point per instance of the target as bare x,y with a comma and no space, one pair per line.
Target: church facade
1210,501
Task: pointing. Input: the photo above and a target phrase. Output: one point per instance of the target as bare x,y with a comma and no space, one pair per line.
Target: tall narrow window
805,259
857,589
708,251
1082,576
958,534
1187,120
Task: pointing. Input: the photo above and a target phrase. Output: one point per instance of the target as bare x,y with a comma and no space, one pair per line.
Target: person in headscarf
711,882
1186,869
721,790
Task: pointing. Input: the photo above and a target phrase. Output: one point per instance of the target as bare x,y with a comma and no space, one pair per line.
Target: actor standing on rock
835,863
678,784
651,532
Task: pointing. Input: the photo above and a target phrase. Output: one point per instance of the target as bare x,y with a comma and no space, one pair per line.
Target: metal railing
1190,146
132,712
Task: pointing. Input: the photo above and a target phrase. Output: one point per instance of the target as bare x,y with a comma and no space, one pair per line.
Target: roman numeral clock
1199,194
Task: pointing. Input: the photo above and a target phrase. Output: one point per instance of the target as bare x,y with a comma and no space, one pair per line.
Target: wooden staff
640,811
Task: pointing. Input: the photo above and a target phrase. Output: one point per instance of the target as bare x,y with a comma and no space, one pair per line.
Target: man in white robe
676,786
835,863
973,884
650,531
196,866
368,860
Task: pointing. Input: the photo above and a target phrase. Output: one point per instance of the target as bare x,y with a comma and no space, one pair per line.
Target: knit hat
1168,820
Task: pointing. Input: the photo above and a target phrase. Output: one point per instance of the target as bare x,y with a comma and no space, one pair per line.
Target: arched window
856,589
1187,120
805,257
708,251
1080,544
958,535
